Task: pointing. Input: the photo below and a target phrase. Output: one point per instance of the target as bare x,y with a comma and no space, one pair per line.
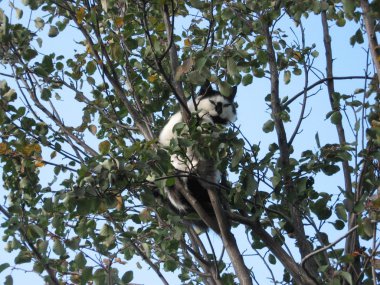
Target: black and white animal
212,108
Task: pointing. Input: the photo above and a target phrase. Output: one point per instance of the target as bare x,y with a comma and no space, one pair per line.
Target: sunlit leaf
80,13
104,147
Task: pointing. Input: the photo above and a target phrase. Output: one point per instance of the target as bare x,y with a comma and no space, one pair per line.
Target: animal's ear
233,93
206,89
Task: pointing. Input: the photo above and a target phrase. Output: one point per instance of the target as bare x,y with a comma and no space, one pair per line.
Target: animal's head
221,109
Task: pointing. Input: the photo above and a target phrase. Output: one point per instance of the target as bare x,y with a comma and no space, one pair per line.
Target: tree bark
352,241
371,34
299,230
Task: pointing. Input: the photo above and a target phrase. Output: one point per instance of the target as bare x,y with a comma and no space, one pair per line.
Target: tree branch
228,238
327,246
319,82
371,34
296,271
284,162
352,241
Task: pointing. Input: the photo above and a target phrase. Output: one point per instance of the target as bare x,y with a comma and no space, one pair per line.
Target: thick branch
296,271
228,239
352,241
194,203
173,56
284,164
371,33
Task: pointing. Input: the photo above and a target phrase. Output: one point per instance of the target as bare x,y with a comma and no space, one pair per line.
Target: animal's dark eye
213,102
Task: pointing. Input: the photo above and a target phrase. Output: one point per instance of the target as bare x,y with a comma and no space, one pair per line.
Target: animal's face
221,109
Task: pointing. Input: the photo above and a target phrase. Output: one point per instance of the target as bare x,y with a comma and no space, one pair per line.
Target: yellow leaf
29,149
152,78
144,214
375,124
81,12
187,43
297,56
119,22
39,163
93,129
3,148
104,147
88,48
119,203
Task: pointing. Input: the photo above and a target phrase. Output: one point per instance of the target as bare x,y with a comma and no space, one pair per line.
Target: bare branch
327,246
228,238
319,82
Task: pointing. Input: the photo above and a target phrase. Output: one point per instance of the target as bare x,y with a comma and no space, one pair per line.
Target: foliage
125,68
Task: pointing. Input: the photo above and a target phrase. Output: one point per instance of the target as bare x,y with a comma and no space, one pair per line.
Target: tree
133,64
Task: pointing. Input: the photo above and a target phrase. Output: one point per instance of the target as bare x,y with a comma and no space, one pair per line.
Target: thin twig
327,246
319,82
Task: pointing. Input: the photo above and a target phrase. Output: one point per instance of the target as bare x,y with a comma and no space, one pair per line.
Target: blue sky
252,114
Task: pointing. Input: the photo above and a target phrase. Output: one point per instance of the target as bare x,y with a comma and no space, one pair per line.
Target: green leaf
287,76
53,31
19,13
225,89
47,64
91,67
247,79
250,184
231,67
29,54
170,265
39,23
127,277
38,267
349,8
336,118
346,275
341,212
8,280
238,154
268,126
357,38
107,231
314,53
80,260
339,225
23,257
340,22
100,277
58,247
45,94
271,259
330,169
38,230
317,140
4,266
86,274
